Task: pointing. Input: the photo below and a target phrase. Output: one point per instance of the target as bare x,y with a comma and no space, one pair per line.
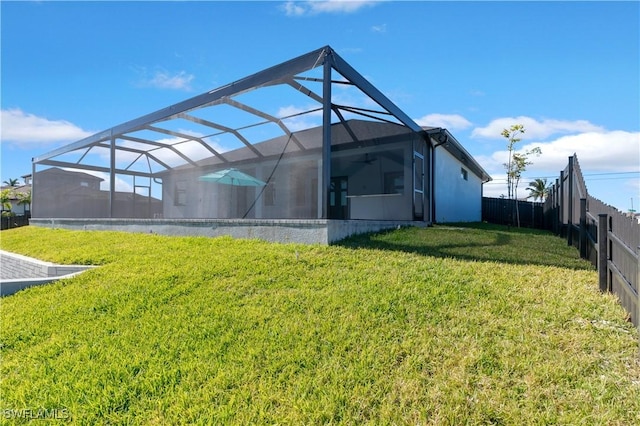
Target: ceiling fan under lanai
368,159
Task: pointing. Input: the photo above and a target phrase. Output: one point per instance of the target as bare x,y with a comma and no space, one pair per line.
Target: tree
517,163
538,189
11,182
5,201
512,139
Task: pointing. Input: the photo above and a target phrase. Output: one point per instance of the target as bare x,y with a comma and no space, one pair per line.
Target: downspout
442,139
429,186
433,184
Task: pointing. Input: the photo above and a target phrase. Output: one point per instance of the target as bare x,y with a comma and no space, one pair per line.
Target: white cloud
299,8
350,50
497,187
164,80
448,121
24,129
191,149
121,184
379,28
292,8
535,129
299,122
596,151
290,110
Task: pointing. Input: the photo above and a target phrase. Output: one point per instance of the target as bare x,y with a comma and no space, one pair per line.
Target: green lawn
444,325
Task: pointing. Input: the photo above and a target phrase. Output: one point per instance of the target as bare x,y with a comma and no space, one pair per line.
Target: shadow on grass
476,242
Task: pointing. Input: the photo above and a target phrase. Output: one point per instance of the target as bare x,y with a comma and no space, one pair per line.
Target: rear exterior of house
330,168
457,182
371,179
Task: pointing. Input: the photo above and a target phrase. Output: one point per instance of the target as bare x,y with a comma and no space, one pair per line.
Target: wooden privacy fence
602,234
15,221
502,211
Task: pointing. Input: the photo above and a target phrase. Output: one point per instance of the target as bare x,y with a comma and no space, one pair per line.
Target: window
464,174
180,194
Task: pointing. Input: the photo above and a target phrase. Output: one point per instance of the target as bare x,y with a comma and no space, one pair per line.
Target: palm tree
11,182
538,189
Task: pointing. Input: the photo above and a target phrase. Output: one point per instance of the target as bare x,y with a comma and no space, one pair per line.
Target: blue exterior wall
456,199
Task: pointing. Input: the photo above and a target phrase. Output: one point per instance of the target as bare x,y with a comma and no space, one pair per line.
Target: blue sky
568,71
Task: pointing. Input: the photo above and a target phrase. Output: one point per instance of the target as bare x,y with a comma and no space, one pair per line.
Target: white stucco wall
456,199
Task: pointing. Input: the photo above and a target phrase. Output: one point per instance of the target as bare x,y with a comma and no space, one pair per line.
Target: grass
444,325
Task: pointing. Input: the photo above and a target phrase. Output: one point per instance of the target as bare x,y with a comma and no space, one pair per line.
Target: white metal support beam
263,78
266,116
326,135
112,176
341,66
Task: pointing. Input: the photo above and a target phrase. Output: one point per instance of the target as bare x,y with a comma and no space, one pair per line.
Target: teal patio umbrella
232,177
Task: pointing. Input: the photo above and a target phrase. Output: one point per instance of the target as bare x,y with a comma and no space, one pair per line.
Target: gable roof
15,190
55,171
442,137
351,132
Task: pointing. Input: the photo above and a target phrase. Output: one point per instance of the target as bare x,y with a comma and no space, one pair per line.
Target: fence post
603,252
556,208
561,205
583,228
638,294
570,203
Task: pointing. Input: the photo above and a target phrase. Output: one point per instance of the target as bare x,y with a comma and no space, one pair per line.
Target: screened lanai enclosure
308,139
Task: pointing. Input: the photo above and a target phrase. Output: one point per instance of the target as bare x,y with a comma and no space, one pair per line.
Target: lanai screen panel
250,149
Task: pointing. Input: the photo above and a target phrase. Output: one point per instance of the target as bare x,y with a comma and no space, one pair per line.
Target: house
457,182
72,194
17,195
371,178
324,154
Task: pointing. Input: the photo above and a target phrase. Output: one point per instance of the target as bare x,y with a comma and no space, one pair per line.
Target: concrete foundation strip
18,272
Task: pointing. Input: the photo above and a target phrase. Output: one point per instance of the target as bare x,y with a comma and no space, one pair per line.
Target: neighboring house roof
55,171
21,189
442,137
89,192
366,133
